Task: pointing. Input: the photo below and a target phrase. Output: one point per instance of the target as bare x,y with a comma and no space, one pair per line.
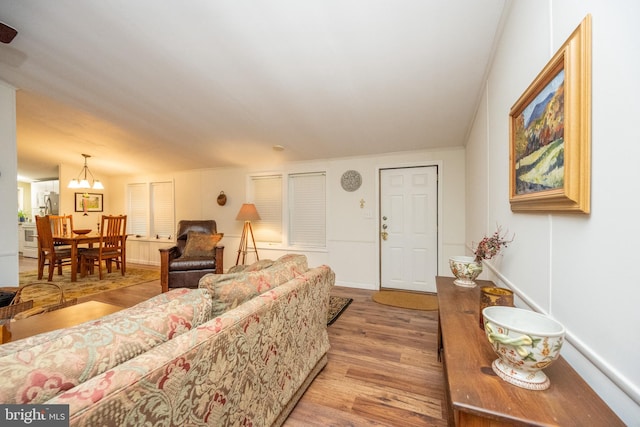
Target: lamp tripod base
244,247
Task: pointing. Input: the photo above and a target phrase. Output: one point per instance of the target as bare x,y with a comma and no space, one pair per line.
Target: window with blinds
162,216
267,196
307,212
150,209
137,209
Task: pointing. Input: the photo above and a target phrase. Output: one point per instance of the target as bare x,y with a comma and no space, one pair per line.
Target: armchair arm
219,259
166,255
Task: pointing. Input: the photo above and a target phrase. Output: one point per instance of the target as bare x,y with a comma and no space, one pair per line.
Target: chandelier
84,182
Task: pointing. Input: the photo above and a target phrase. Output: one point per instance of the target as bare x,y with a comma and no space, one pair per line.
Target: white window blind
307,212
137,209
267,196
162,209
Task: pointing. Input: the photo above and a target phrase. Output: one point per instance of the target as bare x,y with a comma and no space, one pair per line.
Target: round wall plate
351,180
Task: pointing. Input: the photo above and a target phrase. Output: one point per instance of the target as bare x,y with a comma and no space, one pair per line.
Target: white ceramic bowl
525,342
465,269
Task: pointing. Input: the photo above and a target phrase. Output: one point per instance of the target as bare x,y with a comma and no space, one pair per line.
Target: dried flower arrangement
489,247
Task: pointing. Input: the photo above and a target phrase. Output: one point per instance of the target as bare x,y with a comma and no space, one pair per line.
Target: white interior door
409,228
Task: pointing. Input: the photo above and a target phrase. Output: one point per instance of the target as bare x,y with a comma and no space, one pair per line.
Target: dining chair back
111,248
61,225
48,253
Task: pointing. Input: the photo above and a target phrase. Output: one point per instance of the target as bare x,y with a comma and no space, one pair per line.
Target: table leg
74,261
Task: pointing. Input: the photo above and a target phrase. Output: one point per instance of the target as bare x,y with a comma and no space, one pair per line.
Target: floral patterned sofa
239,350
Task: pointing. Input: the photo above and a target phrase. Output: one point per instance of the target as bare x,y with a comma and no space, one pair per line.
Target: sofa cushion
258,265
201,244
234,288
228,294
56,362
280,271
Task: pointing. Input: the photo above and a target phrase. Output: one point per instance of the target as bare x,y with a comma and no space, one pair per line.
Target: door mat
406,299
337,306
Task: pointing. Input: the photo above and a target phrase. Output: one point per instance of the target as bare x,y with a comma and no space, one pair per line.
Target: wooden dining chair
61,225
48,252
111,248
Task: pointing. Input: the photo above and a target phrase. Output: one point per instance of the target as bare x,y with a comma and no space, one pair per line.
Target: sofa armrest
166,255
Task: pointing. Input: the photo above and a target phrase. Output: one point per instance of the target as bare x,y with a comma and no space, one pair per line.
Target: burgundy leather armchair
178,271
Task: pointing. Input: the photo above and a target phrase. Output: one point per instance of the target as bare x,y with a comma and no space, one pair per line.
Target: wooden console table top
478,397
58,319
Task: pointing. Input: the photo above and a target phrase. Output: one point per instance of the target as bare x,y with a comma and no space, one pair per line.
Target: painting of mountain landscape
538,138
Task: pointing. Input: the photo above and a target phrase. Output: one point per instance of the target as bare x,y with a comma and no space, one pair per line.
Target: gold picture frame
550,133
88,202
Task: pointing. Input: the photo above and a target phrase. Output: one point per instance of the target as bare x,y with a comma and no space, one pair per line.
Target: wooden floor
382,369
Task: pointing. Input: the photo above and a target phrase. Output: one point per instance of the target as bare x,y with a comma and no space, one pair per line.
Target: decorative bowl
82,231
466,269
525,342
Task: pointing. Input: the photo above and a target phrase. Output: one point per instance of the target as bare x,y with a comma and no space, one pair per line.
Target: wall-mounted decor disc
351,180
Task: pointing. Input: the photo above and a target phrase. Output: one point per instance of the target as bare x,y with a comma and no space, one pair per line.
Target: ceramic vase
466,269
525,343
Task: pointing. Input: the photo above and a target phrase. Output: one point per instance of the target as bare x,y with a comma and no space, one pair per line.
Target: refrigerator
51,204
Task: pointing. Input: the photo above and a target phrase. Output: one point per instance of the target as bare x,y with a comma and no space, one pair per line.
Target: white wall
8,187
579,269
352,236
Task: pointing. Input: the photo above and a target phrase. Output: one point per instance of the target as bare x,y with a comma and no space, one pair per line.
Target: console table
478,397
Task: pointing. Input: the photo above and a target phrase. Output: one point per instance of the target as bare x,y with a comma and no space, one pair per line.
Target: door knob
384,233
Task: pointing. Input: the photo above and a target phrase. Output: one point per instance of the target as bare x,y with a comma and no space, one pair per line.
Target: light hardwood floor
382,369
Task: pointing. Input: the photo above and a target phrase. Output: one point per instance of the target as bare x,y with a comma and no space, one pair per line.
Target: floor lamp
248,213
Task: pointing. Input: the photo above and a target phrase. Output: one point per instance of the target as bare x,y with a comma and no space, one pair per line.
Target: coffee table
58,319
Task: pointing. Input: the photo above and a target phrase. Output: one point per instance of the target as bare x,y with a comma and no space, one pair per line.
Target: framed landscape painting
88,202
550,133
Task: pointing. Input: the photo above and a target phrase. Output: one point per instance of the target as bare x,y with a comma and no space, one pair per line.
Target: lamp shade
248,212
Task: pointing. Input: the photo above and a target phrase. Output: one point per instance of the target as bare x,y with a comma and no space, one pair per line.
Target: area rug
337,306
406,299
42,294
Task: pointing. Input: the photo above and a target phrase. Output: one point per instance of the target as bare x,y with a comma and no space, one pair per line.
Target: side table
478,397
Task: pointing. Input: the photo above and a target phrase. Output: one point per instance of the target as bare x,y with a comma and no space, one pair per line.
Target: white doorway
409,228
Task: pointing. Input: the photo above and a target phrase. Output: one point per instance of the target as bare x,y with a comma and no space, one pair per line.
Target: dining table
75,240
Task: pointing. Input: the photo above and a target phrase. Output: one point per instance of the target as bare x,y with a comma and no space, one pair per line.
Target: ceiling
148,86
